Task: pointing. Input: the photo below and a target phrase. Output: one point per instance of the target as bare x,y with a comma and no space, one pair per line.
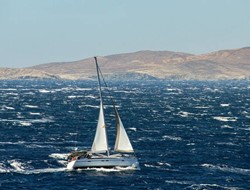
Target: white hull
107,162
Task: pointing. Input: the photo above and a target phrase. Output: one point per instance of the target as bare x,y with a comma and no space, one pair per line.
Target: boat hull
83,163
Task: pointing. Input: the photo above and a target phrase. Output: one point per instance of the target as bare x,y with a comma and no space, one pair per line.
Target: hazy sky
42,31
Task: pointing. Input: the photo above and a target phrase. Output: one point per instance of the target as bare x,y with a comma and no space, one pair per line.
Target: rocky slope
14,74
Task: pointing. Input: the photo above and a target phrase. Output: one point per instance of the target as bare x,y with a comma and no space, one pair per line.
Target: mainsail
122,143
100,143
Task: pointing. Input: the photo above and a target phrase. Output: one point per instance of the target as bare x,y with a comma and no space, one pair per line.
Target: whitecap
90,96
224,105
123,91
202,107
71,97
211,186
115,169
11,93
221,118
25,123
17,165
3,168
132,128
19,142
184,114
30,106
34,113
226,126
151,166
59,155
62,162
8,108
9,89
226,168
43,120
44,170
83,89
43,91
164,164
178,182
91,106
172,138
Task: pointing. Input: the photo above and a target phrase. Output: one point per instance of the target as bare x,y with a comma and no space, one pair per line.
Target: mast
101,102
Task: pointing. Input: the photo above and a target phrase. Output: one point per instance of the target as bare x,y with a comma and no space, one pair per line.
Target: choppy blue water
187,135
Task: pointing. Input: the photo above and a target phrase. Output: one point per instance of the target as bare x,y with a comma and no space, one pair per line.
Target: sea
186,134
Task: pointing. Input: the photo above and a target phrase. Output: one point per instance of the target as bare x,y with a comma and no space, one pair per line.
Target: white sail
122,143
100,142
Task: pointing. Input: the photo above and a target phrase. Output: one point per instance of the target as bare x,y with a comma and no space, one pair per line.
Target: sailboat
100,155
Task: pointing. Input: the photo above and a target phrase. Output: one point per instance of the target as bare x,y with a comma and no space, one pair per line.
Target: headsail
122,143
100,142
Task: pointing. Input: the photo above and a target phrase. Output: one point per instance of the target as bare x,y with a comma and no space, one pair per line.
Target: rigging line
109,93
110,97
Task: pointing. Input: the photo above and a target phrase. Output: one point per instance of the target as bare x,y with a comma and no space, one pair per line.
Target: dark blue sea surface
186,134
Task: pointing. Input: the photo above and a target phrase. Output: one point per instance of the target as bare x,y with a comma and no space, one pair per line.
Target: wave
157,165
184,114
224,105
91,106
27,121
8,89
8,107
115,169
221,118
44,170
3,168
132,128
172,138
34,113
164,164
44,91
202,107
16,166
59,155
90,96
211,186
19,142
11,93
124,91
151,166
178,182
226,126
72,97
83,89
226,168
30,106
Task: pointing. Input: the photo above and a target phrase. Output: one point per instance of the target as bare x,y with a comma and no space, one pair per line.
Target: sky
34,32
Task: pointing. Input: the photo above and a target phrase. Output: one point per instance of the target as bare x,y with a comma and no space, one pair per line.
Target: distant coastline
145,65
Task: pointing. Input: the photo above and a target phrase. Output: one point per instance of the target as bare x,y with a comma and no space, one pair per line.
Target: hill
224,64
